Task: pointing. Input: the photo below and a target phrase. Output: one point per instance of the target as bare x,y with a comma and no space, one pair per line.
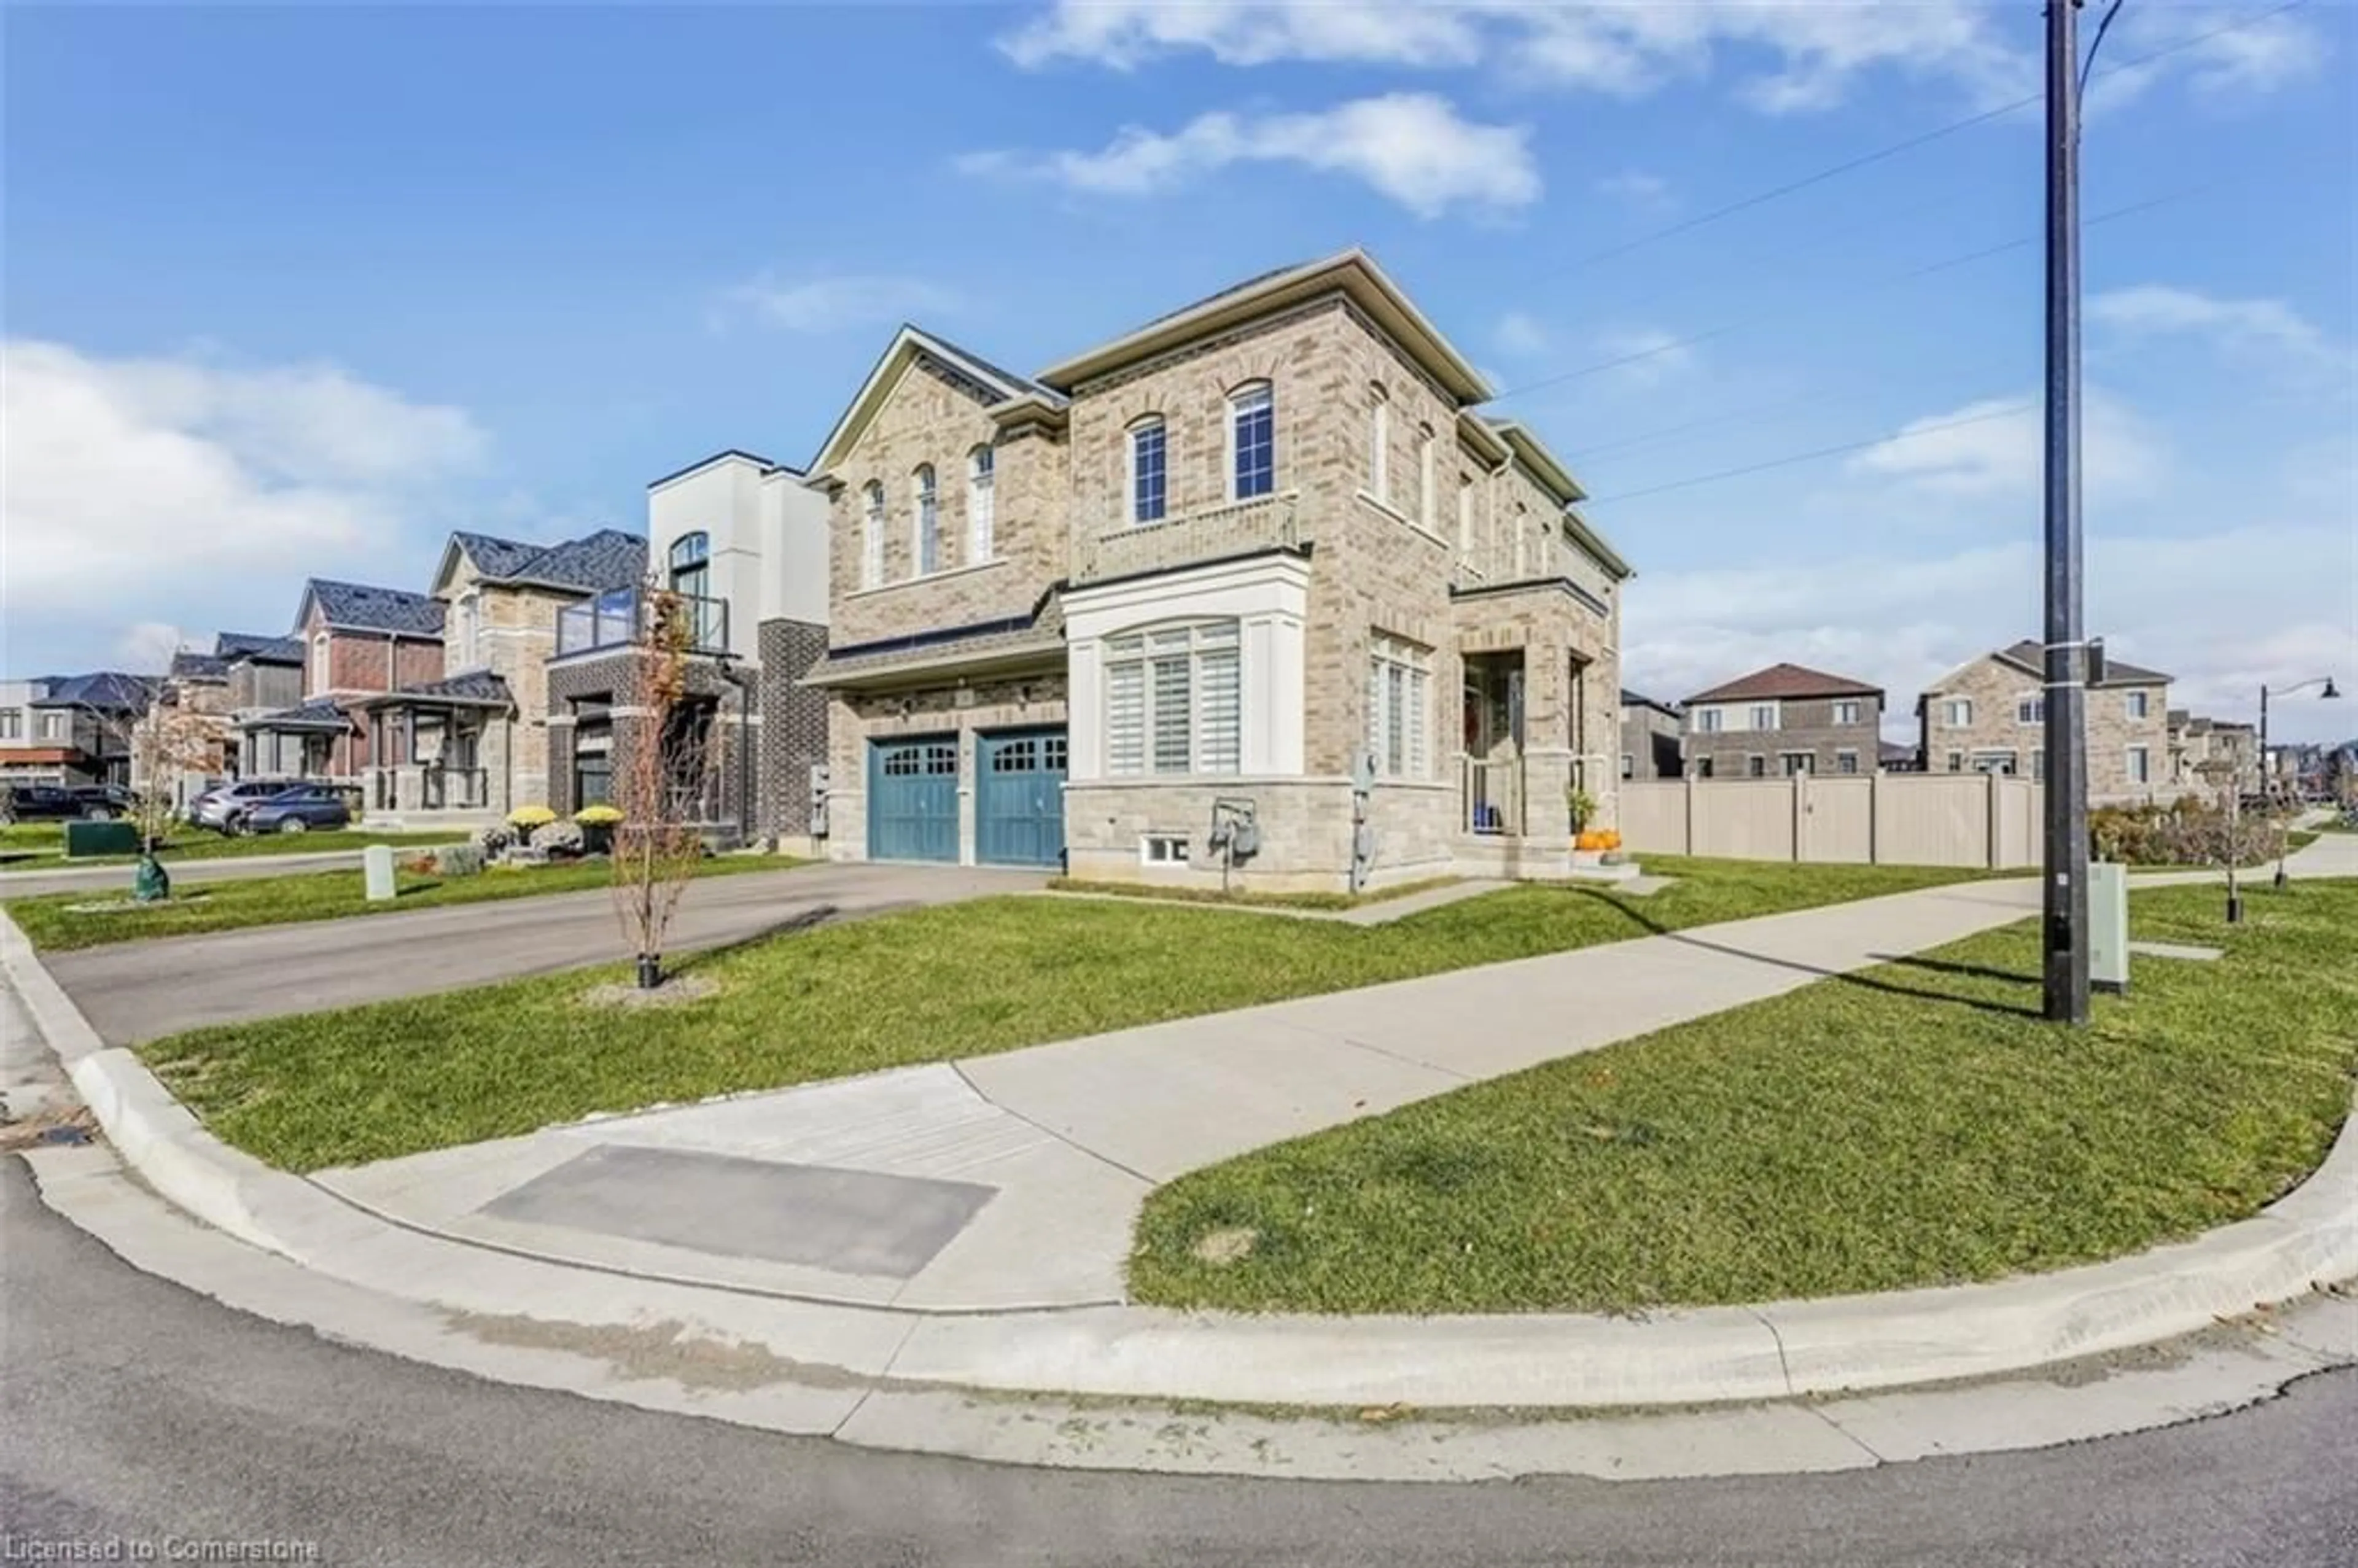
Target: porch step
1531,860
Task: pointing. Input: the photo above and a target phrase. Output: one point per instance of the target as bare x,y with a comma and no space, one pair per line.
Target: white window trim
1850,705
2033,700
1957,712
1154,838
1464,516
2138,761
1710,720
322,659
925,520
1426,502
1241,402
1379,439
1776,717
1129,503
1135,646
2135,705
982,505
1846,753
871,535
1386,653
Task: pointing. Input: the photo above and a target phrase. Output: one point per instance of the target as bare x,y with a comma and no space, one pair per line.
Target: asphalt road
138,990
137,1410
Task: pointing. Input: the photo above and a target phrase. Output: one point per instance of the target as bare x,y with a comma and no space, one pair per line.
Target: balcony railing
614,620
1129,549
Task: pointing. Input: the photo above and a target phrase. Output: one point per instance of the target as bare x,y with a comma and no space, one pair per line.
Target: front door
1018,817
913,806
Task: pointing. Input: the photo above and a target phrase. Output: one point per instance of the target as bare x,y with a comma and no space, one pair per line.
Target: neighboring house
196,684
744,543
1220,570
71,730
356,640
1649,738
1987,716
1899,759
473,740
1783,721
2196,742
263,674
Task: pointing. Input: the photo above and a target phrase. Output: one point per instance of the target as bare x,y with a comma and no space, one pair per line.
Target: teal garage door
912,804
1020,797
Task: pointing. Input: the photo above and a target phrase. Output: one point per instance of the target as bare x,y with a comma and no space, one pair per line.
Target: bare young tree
661,783
168,745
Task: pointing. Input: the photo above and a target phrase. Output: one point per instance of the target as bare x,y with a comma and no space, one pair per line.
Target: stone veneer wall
1997,687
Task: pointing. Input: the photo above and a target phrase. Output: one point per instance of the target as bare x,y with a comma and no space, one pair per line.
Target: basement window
1163,850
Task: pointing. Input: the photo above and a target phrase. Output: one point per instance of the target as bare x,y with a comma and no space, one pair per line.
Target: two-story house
742,543
357,641
472,742
1651,743
71,730
1987,716
1783,721
2199,746
1253,590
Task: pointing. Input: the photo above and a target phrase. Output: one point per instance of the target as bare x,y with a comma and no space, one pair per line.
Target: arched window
982,505
1464,516
871,536
1379,441
1424,460
690,561
1149,470
928,540
1252,442
1174,700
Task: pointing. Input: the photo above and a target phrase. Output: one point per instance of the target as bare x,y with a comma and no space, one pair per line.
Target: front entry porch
441,753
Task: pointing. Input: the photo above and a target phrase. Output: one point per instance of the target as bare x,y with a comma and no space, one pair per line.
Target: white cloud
832,303
175,475
1646,193
1520,334
2262,329
2220,55
1409,147
1995,450
1617,47
1644,356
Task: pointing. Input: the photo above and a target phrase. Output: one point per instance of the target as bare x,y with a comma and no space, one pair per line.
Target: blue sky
294,292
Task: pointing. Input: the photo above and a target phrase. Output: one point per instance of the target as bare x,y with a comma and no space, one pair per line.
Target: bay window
1174,700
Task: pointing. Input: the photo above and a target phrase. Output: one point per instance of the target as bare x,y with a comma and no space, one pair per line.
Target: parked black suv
55,803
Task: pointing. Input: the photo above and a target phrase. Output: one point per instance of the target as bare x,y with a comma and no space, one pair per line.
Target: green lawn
397,1077
48,841
1916,1125
53,921
1242,900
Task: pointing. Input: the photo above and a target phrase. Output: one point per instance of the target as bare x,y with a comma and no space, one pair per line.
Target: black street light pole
2268,773
2065,902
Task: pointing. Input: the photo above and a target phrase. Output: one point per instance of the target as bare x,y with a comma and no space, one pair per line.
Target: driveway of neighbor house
1013,1180
135,990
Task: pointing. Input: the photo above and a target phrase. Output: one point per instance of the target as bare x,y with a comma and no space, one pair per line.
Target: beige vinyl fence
1893,819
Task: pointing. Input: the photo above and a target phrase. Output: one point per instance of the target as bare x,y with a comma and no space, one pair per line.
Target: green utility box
100,838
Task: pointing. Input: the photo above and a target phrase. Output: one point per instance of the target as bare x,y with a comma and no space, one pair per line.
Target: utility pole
2065,903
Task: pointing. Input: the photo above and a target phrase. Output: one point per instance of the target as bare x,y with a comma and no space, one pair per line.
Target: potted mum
597,823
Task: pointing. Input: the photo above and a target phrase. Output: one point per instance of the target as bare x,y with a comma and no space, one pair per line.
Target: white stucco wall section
1268,598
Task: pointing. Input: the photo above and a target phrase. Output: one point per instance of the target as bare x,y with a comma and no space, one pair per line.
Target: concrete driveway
138,990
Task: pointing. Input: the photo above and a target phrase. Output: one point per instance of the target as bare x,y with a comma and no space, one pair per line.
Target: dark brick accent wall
793,724
610,678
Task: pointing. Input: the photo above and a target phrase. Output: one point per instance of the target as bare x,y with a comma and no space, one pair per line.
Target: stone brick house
72,729
1987,716
1783,721
744,543
357,641
2195,742
1651,734
471,743
1252,589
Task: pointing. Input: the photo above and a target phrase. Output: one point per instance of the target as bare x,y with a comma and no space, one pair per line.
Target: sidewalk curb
1773,1351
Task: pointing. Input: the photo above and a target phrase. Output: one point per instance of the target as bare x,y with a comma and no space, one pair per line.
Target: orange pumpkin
1612,839
1588,841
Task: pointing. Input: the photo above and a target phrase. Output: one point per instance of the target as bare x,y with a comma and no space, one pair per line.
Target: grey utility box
376,869
2108,926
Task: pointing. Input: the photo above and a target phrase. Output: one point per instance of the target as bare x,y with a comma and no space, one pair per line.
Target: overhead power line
1925,138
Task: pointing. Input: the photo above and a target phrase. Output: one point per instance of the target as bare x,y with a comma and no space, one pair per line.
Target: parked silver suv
216,807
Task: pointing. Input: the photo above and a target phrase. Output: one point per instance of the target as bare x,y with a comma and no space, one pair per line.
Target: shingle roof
594,563
312,713
1786,680
102,688
370,609
2031,656
1638,699
474,688
190,665
255,645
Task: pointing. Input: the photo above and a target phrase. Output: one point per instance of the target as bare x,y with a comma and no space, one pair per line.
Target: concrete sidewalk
139,991
1065,1141
67,878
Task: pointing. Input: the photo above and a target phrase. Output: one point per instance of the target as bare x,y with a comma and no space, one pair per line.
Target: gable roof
231,647
1633,700
101,688
189,665
595,563
1353,272
361,607
2031,657
909,345
1785,680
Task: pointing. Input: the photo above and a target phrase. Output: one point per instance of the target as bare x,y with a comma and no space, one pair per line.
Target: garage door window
1173,700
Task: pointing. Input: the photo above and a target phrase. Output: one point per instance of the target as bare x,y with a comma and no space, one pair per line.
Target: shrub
457,859
531,817
493,839
2185,833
